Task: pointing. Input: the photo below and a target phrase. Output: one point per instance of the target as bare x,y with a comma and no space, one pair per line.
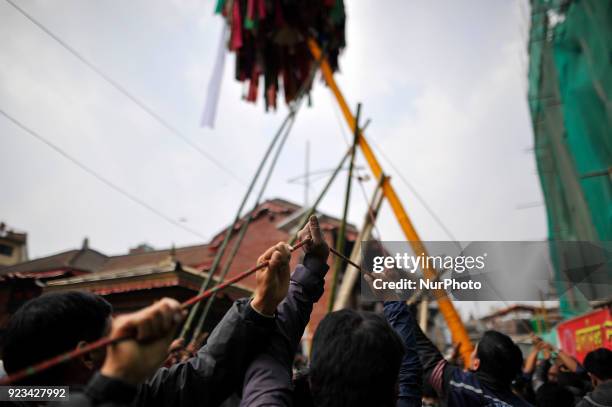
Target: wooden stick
105,341
349,261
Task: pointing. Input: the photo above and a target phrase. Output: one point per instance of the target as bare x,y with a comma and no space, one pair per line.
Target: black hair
571,381
598,362
522,387
49,325
499,356
302,397
554,395
356,358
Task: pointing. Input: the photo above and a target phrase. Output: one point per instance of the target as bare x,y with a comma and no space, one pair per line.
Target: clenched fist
272,281
153,328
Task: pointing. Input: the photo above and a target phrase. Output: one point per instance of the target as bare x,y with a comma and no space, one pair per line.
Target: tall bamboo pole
351,274
313,207
228,233
453,320
341,239
243,229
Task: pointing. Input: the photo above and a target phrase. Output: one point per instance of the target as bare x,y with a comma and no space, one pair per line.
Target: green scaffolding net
570,86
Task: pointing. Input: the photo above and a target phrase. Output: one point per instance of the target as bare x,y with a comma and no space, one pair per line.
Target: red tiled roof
85,260
263,233
192,256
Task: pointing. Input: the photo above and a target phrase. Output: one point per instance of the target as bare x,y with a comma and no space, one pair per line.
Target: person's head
52,324
554,395
497,356
355,360
598,363
553,371
572,381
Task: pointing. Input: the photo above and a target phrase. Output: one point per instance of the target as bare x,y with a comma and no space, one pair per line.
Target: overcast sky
443,82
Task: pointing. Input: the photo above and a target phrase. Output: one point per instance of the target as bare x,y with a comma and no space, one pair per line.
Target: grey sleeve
268,378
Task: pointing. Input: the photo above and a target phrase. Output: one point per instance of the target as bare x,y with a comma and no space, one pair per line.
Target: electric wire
407,183
100,177
127,94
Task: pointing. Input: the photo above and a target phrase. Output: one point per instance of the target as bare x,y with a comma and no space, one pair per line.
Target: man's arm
539,374
530,362
569,361
206,379
436,370
410,375
268,378
217,369
131,361
209,377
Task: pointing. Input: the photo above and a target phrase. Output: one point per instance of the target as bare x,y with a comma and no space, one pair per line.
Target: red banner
590,331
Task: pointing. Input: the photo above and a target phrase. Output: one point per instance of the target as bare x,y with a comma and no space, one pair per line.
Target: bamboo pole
341,239
243,229
351,273
289,119
453,320
228,233
313,208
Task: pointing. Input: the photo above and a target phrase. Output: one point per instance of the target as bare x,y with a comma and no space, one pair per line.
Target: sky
444,84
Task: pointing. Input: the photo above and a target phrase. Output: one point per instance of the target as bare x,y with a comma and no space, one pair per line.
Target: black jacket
204,380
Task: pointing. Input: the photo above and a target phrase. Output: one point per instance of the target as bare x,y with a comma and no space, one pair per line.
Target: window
6,250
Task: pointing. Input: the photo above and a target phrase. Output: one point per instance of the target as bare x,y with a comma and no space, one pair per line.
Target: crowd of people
357,358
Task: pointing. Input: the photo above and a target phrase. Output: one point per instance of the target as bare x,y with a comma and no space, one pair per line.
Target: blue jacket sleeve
410,376
268,378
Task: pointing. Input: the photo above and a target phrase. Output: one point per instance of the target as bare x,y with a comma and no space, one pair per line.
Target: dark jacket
204,380
268,381
268,378
410,375
459,388
600,397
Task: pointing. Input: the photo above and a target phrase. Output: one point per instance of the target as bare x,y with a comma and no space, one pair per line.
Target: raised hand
317,246
153,329
272,281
